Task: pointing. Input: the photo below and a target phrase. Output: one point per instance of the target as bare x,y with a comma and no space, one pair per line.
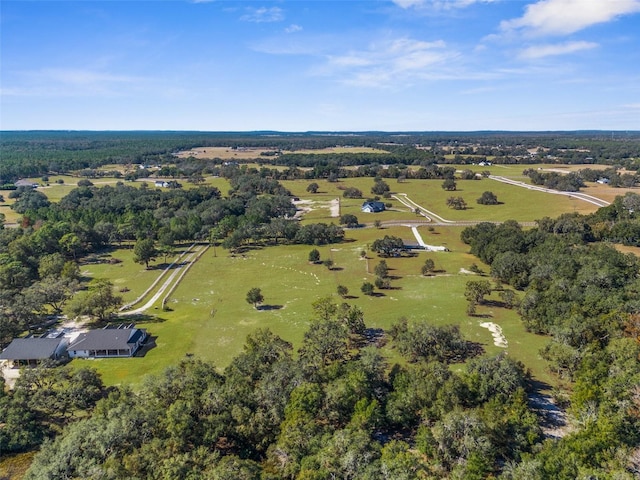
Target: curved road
580,196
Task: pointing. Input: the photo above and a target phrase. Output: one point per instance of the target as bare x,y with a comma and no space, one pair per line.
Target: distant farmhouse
123,341
373,207
33,350
161,184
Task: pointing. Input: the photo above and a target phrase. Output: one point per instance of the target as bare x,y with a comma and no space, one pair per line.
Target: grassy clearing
210,318
517,203
127,275
227,153
223,153
324,151
14,467
10,217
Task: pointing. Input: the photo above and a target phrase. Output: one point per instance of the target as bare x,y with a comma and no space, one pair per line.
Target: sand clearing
335,207
499,339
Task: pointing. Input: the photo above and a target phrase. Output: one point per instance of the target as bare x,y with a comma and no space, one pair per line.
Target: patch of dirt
553,418
335,207
499,340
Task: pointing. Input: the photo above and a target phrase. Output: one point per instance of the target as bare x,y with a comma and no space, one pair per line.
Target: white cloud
547,50
263,15
56,82
437,4
409,3
562,17
293,28
391,63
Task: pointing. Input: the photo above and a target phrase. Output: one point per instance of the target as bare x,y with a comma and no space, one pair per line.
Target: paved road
191,257
578,195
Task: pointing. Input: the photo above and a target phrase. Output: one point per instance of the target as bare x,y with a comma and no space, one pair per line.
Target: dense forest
335,407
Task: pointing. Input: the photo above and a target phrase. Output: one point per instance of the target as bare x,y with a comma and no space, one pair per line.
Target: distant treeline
28,154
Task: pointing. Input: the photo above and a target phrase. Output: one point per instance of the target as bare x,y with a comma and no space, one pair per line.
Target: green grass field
516,203
210,317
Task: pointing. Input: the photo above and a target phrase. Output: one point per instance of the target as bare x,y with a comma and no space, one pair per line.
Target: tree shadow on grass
266,308
481,315
162,266
137,318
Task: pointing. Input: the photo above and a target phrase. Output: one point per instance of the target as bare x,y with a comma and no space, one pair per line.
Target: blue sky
322,65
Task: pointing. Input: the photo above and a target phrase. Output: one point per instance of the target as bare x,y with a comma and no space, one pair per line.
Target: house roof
373,205
107,339
31,349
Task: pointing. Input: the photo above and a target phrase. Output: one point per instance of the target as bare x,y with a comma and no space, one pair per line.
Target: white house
372,207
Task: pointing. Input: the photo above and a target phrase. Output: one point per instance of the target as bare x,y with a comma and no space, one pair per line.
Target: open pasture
250,153
223,153
10,217
130,279
517,203
328,150
209,317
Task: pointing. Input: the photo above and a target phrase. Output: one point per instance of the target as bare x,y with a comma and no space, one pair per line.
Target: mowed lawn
210,318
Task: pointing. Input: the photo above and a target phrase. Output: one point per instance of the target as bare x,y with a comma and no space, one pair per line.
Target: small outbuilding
122,341
373,207
33,350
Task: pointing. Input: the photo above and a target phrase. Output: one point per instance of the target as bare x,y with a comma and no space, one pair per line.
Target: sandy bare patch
224,153
499,340
335,207
466,272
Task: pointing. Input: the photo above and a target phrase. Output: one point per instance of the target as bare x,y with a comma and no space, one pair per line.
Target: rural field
227,153
208,315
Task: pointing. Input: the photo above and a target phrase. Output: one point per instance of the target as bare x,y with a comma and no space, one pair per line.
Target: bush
352,192
488,198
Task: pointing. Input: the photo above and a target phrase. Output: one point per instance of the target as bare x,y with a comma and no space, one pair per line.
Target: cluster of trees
349,220
334,410
388,246
612,174
566,182
585,296
618,222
